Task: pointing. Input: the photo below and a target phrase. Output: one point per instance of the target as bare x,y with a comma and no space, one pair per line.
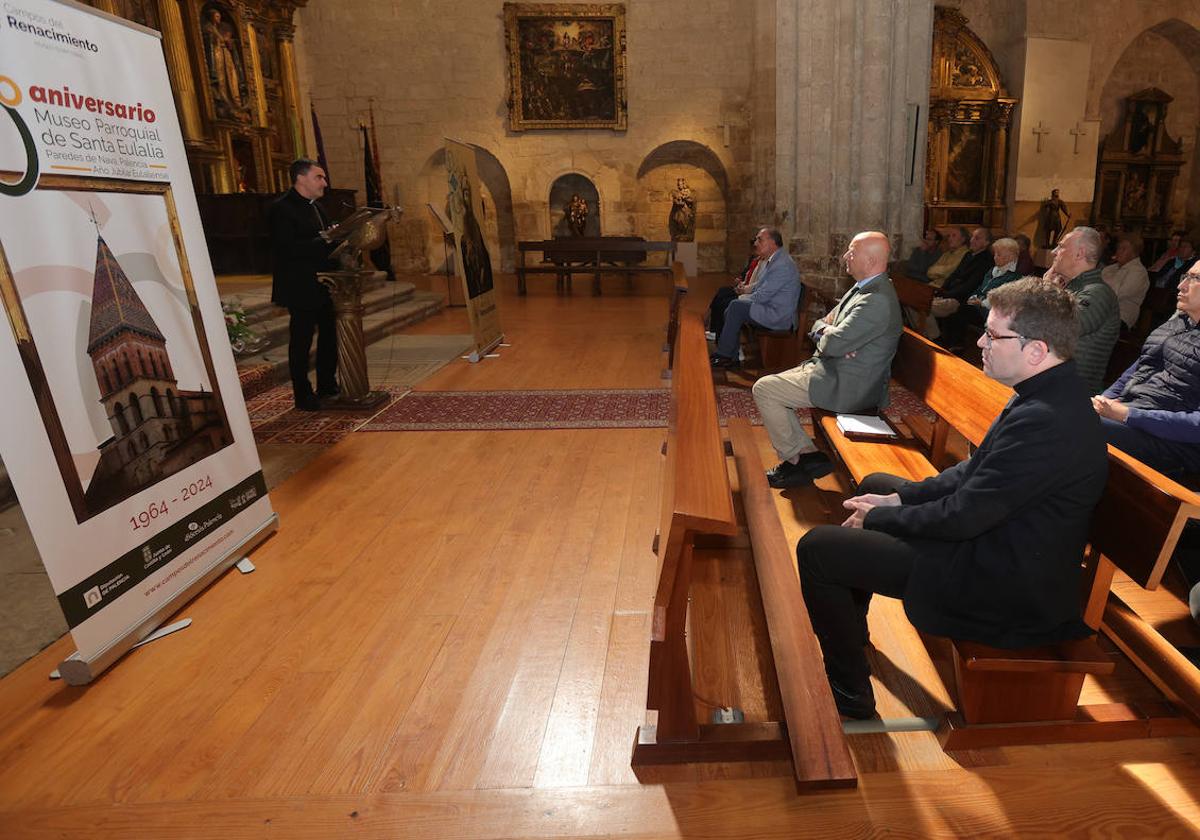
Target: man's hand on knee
860,506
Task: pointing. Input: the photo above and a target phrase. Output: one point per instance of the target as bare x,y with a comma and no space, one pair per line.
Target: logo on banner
92,597
10,98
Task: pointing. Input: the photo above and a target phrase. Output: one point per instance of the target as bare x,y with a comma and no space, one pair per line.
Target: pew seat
1032,695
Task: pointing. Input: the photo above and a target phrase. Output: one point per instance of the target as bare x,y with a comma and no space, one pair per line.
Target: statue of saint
1050,221
224,70
577,213
682,222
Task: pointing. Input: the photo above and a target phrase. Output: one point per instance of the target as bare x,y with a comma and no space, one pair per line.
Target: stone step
273,328
258,307
269,368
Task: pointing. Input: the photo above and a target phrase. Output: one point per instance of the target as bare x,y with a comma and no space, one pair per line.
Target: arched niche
499,229
970,113
705,174
561,191
1165,58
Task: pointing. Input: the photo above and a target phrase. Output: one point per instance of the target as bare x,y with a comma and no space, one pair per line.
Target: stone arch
560,194
499,225
1176,43
135,405
705,173
172,404
156,398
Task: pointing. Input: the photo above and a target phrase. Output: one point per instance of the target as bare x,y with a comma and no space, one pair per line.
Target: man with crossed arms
849,371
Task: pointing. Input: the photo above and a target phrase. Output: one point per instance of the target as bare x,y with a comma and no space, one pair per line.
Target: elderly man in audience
743,284
1075,268
924,255
989,550
770,304
847,373
955,244
1153,410
960,285
1127,277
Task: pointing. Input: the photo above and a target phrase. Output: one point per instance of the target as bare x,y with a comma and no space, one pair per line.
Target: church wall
437,71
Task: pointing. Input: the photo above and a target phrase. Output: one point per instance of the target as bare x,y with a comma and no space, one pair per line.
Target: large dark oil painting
566,65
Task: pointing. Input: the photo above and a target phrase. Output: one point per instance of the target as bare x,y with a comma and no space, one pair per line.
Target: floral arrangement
242,339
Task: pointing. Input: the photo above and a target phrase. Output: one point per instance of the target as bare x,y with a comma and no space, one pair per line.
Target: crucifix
1077,132
1040,130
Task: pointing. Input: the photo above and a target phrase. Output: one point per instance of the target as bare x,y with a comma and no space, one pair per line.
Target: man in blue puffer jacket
1153,410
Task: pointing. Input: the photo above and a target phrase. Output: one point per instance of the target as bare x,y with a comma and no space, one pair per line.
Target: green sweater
1099,325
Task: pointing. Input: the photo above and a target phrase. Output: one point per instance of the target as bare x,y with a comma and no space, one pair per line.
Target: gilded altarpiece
232,67
1138,168
970,114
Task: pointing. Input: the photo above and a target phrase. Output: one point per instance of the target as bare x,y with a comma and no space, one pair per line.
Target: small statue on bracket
1050,222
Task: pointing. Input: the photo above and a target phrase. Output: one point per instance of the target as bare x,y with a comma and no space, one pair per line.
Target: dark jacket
299,252
1001,535
1099,317
967,277
1162,388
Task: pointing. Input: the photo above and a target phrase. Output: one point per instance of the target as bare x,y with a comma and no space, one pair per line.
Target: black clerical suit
299,254
988,551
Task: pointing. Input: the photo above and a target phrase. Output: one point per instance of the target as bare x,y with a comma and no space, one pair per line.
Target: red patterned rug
274,418
494,410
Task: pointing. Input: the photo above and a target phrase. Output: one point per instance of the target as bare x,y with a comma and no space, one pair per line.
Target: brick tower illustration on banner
157,428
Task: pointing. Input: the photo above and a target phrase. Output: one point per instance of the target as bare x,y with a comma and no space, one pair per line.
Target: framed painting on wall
566,65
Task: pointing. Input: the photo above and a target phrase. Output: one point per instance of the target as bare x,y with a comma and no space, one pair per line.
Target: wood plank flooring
448,638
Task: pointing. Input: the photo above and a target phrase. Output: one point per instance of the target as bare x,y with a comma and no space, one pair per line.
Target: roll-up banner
124,430
474,263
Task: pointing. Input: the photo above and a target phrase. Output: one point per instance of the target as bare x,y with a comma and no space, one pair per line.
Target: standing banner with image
474,263
125,434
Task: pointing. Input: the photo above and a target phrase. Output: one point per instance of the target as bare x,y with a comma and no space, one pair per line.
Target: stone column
848,72
291,88
180,69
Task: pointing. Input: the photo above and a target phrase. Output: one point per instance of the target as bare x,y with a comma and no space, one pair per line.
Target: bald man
849,371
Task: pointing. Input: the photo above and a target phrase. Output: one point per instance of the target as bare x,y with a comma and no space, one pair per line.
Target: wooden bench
679,289
592,255
1031,696
697,502
916,296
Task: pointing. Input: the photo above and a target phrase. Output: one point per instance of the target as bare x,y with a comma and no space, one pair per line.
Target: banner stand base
76,670
479,355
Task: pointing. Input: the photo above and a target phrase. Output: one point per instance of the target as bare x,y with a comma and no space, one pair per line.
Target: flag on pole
381,256
320,143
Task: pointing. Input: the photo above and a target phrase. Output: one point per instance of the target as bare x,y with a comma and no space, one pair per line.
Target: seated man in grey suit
849,371
771,304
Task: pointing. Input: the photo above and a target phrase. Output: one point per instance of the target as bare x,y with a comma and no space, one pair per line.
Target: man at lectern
300,252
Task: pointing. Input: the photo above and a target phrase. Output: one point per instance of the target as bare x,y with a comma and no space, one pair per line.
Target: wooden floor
448,638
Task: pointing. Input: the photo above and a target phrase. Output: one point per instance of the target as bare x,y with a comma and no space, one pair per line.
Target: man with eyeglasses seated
1153,411
770,304
989,550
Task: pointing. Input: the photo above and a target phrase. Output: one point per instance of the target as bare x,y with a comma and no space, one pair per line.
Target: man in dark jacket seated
989,550
965,279
1153,412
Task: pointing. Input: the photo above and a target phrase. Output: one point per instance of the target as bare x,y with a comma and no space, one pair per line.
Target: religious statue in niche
226,74
682,223
1050,221
1134,201
1143,125
577,214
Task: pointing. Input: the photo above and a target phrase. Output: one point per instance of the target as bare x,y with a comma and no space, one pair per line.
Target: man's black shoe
331,391
786,474
309,403
856,706
723,362
815,464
